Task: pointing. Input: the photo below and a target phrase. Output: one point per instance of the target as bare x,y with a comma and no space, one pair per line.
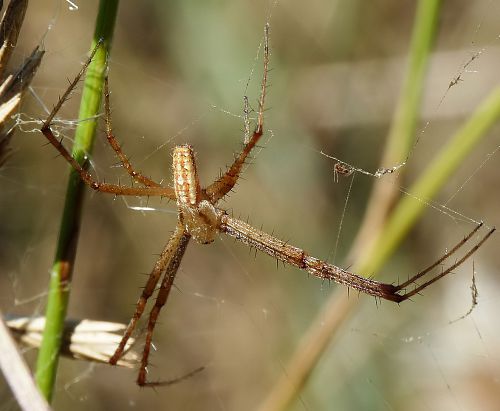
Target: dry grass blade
17,374
4,146
17,82
13,85
82,339
9,30
11,90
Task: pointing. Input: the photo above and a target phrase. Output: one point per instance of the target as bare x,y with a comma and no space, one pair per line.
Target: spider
340,169
200,219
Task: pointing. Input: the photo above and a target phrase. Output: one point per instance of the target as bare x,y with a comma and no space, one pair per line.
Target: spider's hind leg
180,241
47,131
79,164
168,261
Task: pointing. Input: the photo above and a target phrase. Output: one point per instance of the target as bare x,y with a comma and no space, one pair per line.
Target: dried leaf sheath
9,30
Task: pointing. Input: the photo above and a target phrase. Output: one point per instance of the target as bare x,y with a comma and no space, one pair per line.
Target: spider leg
85,176
173,380
299,258
226,182
71,86
137,176
459,262
181,242
169,254
452,251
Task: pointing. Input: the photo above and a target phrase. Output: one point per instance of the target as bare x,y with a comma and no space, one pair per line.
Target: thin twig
17,373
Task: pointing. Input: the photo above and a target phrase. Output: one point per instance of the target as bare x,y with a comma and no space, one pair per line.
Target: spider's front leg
223,185
151,188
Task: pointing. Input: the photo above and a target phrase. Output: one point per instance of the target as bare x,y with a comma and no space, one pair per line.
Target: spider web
234,311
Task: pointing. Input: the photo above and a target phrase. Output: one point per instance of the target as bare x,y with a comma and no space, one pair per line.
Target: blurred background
178,74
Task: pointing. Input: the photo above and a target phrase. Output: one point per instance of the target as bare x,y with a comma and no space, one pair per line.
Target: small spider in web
200,219
341,169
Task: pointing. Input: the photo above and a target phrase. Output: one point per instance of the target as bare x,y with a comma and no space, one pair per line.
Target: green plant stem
432,180
398,145
401,136
338,309
61,273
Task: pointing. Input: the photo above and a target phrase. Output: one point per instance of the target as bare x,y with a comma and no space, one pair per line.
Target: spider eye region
201,221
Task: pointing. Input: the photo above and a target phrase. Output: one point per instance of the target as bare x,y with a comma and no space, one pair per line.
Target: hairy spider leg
299,258
445,256
200,219
215,191
188,194
113,142
181,239
85,176
223,185
163,262
449,269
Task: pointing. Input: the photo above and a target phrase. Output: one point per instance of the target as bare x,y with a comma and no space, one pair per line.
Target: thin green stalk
398,146
401,136
338,309
60,280
433,179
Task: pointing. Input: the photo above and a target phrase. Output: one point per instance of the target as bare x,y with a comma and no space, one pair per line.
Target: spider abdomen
186,183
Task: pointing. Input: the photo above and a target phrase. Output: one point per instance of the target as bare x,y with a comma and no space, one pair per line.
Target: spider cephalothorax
198,216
